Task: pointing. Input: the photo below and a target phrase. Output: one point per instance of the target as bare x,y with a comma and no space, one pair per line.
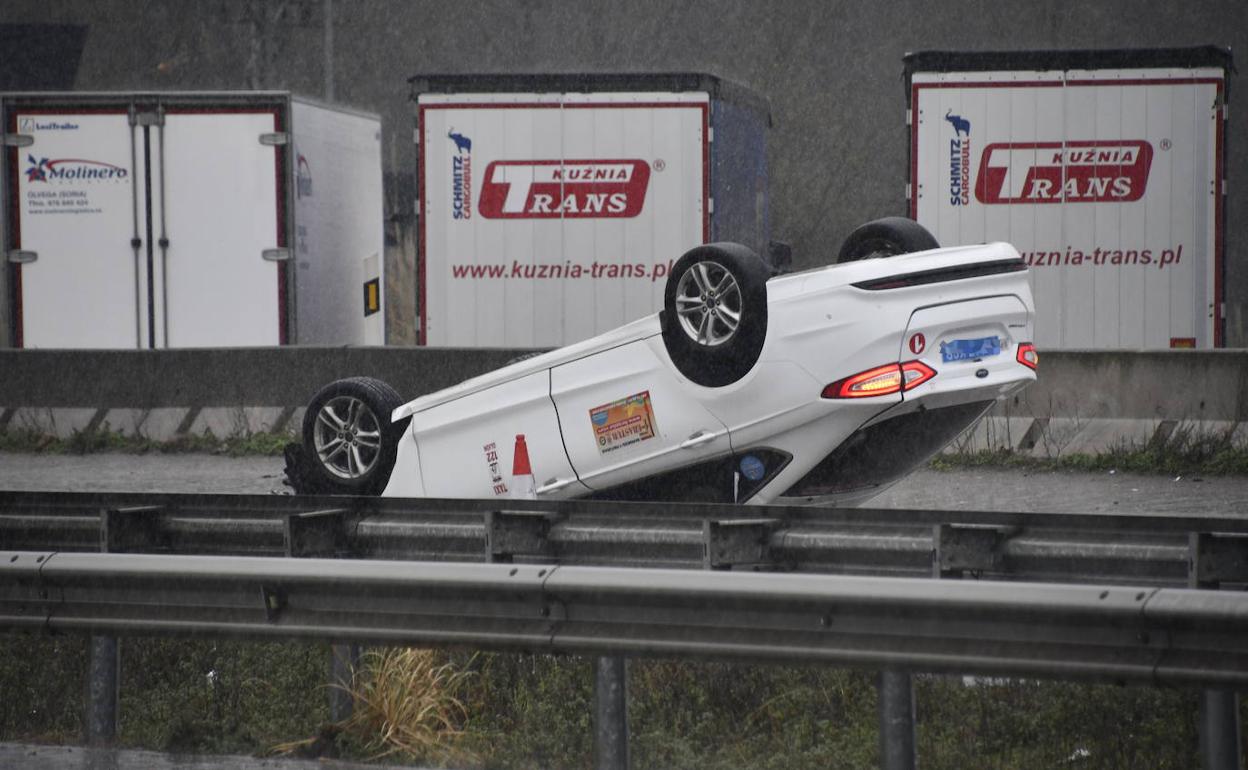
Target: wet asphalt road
977,489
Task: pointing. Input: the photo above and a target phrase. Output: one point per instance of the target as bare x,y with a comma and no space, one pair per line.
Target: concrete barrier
227,392
1092,401
1084,401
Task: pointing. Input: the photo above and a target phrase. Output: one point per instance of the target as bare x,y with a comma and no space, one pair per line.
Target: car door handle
554,485
698,439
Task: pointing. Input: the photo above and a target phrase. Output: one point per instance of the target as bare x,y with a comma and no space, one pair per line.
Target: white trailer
551,207
1104,168
176,220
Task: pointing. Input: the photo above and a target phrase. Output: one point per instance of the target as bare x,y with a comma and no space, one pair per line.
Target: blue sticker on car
752,468
969,350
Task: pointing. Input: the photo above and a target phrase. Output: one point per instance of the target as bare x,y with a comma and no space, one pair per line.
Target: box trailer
550,207
170,220
1104,168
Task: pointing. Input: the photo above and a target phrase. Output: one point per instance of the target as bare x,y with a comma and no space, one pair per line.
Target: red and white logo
917,343
1064,172
552,189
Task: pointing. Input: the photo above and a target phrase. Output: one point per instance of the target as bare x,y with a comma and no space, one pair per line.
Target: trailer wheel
886,237
715,313
349,443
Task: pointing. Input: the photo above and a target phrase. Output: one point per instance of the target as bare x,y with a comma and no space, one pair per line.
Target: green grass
107,440
526,711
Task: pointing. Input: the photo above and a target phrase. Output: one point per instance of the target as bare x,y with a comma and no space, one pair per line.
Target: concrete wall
161,395
1160,385
832,69
1084,401
262,377
1095,401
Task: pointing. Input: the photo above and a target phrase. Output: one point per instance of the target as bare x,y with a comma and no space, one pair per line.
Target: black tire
707,287
349,443
886,237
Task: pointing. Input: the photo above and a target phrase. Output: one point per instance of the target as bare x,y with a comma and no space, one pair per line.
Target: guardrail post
896,707
322,534
611,713
121,530
344,659
1213,559
103,690
1219,730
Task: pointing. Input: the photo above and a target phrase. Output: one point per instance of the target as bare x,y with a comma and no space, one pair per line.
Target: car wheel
715,313
886,237
349,443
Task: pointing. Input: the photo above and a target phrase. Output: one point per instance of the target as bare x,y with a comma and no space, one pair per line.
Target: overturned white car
821,386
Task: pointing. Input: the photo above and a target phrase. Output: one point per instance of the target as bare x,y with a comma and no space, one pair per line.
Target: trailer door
222,212
1107,181
141,226
77,276
548,218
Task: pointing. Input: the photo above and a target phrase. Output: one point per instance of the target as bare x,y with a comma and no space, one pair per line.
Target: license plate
967,350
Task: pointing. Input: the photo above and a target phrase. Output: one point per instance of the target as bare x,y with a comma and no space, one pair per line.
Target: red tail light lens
916,373
1027,355
881,381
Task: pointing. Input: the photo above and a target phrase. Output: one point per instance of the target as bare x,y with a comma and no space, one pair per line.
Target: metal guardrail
1144,549
863,609
1155,636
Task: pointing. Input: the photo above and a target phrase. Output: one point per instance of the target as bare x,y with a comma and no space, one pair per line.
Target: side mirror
780,255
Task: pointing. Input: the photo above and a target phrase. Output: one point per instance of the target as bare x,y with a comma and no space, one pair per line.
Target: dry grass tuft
406,704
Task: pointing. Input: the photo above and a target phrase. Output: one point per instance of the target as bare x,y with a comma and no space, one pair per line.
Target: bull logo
462,143
960,124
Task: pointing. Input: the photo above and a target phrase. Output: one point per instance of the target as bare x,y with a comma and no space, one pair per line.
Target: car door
467,445
625,414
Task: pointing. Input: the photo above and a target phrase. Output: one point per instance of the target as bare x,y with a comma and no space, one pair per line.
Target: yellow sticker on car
623,423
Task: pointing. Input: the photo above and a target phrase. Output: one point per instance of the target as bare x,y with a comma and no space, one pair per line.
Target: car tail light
916,373
881,381
1027,355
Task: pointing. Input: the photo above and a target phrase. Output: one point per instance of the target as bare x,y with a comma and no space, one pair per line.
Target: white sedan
823,386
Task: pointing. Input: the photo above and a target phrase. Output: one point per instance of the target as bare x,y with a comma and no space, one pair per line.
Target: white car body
614,411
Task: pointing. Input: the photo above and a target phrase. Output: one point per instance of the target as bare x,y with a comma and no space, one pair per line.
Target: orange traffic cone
523,486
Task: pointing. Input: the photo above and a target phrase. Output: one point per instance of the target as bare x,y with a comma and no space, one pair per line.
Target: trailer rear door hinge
710,134
909,190
710,206
20,257
275,255
18,140
275,139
